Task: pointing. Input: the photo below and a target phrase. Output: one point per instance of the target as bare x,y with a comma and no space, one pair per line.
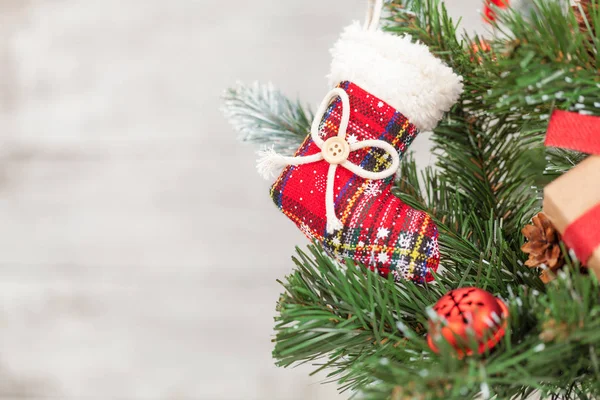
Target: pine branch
369,332
552,345
476,251
525,75
561,161
263,115
344,315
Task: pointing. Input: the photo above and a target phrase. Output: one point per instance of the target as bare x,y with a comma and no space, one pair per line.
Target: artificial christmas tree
371,333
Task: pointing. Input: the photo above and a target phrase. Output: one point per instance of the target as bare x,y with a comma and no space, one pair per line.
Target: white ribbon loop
270,161
333,222
363,173
344,122
374,8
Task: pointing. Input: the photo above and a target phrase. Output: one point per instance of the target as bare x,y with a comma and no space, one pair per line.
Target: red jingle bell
467,313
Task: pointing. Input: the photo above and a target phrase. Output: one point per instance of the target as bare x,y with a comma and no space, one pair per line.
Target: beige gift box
571,196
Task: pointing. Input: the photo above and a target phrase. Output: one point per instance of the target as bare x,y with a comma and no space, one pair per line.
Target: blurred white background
138,248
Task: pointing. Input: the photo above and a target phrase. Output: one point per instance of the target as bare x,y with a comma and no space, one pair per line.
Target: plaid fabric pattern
379,230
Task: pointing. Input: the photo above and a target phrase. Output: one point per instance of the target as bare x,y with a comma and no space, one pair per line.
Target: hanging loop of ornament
272,160
374,8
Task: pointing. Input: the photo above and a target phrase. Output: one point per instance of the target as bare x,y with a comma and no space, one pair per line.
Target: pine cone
543,246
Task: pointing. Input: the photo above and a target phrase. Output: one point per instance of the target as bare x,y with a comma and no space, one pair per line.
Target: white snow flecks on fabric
404,74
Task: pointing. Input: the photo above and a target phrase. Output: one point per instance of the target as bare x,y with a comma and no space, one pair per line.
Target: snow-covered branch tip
263,115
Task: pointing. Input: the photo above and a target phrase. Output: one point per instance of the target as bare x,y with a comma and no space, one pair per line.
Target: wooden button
335,150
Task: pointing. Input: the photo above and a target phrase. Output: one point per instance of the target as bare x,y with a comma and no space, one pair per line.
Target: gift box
572,202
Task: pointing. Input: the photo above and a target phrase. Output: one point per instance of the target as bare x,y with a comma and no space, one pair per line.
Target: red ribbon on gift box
574,131
583,235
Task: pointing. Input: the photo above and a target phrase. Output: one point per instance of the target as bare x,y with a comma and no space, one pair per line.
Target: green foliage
369,332
539,62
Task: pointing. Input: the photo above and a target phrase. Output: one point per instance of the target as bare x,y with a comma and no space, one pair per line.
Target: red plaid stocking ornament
337,187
